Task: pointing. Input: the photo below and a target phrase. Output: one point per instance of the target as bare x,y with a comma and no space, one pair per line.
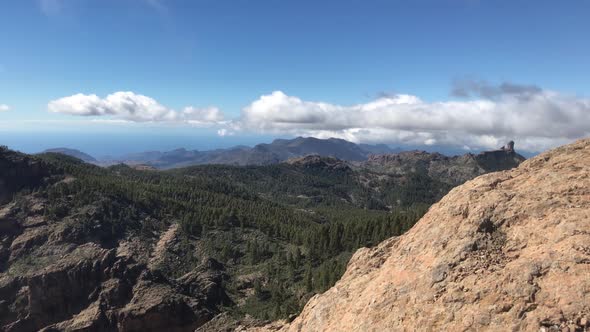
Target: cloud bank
4,108
129,106
482,116
483,89
537,119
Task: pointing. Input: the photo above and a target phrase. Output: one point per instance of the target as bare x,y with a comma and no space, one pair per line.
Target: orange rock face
507,251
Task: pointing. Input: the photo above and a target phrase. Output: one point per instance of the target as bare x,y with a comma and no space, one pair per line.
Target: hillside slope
18,172
73,153
505,251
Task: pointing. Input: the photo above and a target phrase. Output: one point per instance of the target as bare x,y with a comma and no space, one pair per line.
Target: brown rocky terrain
53,279
507,251
453,170
59,273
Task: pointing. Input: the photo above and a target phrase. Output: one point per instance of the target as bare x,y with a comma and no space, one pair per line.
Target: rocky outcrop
499,160
507,251
452,170
508,147
53,278
93,289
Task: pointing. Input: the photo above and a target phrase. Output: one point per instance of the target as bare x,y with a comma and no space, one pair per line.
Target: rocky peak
499,160
508,147
452,170
507,251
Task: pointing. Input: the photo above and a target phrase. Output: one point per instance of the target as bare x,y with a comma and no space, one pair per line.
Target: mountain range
376,159
262,154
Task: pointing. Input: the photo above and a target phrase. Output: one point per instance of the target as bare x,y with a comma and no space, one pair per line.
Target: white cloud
129,106
536,119
202,115
4,108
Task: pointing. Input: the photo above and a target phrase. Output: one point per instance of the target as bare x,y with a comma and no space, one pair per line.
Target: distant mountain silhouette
375,156
262,154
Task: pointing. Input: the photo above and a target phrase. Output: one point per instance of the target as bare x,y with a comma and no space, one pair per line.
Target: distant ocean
114,144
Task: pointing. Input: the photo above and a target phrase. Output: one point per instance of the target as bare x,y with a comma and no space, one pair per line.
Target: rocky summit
507,251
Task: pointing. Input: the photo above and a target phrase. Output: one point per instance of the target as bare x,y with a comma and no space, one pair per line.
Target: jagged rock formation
508,147
453,170
54,275
507,251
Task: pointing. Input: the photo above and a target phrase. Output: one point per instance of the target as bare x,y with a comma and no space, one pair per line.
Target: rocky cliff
507,251
77,271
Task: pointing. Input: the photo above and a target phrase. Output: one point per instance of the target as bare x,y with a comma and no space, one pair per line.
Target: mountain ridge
280,150
261,154
451,169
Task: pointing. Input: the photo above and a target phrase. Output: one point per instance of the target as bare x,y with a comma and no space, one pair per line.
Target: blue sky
227,54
